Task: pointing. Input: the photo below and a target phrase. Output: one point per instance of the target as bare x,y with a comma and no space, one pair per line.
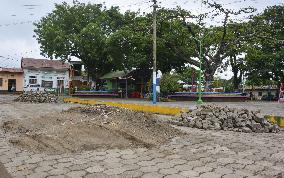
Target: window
1,82
47,84
259,93
32,80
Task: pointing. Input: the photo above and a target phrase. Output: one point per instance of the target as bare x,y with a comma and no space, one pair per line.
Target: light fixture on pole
199,40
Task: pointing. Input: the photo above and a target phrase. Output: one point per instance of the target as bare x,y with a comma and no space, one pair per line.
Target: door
60,86
12,85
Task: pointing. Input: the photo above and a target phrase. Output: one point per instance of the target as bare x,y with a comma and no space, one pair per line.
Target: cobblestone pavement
198,154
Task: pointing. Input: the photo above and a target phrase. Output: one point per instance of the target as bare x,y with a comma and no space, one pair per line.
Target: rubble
214,117
37,97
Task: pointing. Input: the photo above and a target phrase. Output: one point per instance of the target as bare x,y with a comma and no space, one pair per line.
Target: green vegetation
107,40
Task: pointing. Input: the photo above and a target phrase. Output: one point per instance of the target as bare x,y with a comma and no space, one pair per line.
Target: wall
264,92
7,75
47,75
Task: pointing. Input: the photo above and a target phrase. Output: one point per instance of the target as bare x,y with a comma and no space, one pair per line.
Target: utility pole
155,51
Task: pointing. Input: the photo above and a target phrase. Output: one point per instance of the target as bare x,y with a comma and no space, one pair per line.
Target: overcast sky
17,17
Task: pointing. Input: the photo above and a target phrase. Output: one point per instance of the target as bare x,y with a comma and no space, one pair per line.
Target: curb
163,110
279,120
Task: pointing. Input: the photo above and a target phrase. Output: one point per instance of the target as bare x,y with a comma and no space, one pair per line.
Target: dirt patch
88,128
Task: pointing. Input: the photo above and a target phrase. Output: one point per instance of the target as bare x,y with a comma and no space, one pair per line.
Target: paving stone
126,152
34,160
210,175
100,153
129,156
223,170
62,165
114,171
76,174
183,167
47,163
149,169
189,173
202,169
130,167
225,161
59,176
146,163
37,175
112,165
99,175
95,169
65,160
51,157
177,161
244,161
113,155
141,150
195,163
43,169
232,176
58,171
130,161
112,160
164,165
168,171
99,158
131,174
152,175
174,176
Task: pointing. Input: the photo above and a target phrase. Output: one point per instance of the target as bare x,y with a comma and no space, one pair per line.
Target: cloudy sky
17,17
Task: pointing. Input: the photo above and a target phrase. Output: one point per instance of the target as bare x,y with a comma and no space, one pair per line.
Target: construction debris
37,97
214,117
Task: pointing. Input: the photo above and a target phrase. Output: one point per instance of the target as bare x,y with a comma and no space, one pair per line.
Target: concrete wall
47,75
7,75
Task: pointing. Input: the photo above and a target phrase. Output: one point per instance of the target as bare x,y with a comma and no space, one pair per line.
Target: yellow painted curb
137,107
276,120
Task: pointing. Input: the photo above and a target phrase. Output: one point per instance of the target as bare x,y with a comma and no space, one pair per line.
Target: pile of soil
89,128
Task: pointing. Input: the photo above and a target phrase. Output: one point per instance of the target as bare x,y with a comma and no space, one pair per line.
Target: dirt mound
88,128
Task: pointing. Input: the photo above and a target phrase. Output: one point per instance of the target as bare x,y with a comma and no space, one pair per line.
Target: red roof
11,70
44,63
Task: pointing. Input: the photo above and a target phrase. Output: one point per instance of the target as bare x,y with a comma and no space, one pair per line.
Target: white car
33,88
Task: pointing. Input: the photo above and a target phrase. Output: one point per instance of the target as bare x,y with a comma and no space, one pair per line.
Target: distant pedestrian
251,95
13,88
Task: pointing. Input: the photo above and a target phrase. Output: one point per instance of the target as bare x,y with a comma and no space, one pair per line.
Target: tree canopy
106,39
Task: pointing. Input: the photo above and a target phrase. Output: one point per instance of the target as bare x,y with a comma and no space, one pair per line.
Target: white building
52,75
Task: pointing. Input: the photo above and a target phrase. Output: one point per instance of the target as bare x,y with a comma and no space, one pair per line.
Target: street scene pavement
196,153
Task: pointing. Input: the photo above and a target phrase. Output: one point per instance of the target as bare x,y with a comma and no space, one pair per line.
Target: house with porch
11,80
52,75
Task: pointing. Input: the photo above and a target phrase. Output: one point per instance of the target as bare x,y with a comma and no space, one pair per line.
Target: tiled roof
44,63
11,70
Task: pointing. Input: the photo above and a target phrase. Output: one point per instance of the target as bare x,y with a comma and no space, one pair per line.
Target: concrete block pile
37,97
214,117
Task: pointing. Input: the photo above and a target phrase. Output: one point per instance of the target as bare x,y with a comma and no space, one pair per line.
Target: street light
199,101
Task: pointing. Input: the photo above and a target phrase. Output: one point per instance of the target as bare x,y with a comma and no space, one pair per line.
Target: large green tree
79,30
265,58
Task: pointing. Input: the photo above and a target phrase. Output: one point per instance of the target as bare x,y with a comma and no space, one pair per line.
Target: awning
115,74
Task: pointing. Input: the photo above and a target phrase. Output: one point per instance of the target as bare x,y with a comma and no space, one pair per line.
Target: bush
169,84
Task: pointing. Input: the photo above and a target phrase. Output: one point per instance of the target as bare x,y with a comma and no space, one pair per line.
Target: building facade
51,75
11,80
